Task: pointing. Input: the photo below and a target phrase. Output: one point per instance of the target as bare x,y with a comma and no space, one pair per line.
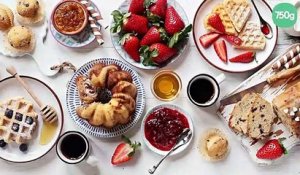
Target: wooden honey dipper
48,113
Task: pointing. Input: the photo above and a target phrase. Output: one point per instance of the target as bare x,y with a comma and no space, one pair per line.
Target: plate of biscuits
267,117
105,97
24,135
228,34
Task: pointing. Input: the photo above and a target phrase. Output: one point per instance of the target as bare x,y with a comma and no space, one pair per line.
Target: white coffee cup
295,30
65,154
215,91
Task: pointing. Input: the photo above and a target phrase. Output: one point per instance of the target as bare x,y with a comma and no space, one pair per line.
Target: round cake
108,96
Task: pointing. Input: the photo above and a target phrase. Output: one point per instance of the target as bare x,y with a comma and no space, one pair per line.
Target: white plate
73,101
174,107
9,88
210,55
116,37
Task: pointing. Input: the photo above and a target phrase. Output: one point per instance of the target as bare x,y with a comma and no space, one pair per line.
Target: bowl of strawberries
150,34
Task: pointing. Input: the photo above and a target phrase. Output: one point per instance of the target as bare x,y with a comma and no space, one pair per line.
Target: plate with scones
105,97
264,111
20,21
24,135
228,34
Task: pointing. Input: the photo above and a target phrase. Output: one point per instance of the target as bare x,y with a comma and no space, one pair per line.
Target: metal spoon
263,24
183,138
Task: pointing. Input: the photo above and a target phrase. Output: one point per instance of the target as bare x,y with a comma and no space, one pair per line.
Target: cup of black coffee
73,147
203,90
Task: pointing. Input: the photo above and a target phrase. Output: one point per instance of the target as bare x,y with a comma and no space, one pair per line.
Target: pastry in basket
115,100
287,106
87,92
20,39
6,17
252,37
229,28
30,11
238,11
253,116
18,120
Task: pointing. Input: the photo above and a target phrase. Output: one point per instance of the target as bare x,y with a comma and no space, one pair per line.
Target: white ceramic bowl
170,106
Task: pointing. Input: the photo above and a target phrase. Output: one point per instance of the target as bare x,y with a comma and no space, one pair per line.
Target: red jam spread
265,29
69,17
163,126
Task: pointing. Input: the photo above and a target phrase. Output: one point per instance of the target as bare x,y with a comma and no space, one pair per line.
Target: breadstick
286,58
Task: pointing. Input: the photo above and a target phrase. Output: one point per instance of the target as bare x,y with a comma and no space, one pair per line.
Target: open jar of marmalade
166,85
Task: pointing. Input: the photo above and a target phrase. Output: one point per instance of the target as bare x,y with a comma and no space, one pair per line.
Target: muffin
214,145
20,39
6,17
29,11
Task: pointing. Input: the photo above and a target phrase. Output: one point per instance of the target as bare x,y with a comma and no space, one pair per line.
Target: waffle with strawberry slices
229,28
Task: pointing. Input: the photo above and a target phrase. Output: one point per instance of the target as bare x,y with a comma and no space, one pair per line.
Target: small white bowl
170,106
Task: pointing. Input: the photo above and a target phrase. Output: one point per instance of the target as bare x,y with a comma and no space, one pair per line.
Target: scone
252,37
20,39
214,145
239,12
30,11
288,99
6,17
253,116
229,28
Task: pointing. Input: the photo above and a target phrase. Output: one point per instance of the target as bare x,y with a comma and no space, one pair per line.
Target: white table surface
189,162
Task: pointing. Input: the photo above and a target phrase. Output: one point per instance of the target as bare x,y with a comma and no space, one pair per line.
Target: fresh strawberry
215,21
246,57
137,7
124,151
234,40
180,36
131,45
156,54
207,39
158,7
129,23
221,50
154,35
273,149
173,22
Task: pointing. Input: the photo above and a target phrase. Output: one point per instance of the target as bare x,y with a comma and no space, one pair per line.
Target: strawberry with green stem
272,149
179,36
131,45
128,22
155,35
156,54
156,10
173,22
124,151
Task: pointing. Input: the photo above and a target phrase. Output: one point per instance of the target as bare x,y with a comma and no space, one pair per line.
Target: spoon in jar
265,27
183,138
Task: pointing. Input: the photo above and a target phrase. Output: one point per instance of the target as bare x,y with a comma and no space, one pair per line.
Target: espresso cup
73,147
203,90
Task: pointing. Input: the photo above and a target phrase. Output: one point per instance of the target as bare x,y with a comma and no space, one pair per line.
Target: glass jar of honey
166,85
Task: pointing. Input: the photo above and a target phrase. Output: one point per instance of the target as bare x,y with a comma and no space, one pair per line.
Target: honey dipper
48,113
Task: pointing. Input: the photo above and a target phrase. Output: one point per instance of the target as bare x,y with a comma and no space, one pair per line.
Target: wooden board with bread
270,113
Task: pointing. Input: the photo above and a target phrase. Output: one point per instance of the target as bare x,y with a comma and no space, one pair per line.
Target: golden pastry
30,11
214,145
6,17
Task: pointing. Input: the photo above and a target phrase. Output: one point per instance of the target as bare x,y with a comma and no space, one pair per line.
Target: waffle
18,120
252,37
229,28
239,12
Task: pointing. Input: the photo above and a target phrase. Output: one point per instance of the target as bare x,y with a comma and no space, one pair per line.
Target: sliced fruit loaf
260,119
288,99
239,117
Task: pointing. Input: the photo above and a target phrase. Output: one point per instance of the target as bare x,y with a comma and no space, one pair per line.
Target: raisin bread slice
288,99
239,117
260,119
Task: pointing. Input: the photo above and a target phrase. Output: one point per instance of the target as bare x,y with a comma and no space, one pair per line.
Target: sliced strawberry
207,39
124,151
234,40
221,50
272,149
215,21
246,57
131,45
